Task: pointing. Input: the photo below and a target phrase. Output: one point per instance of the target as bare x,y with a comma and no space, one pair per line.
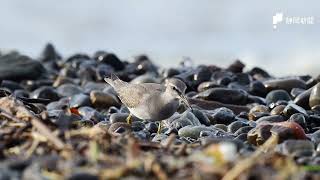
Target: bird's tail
113,80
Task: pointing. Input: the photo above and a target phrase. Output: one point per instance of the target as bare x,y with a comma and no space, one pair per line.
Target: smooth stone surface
152,127
224,95
315,137
202,117
193,131
112,60
79,100
286,84
145,78
298,118
303,99
291,109
291,146
11,85
242,130
69,90
45,92
277,110
234,126
221,126
270,119
121,117
178,121
207,85
14,66
89,113
119,128
277,95
221,116
257,88
315,96
103,100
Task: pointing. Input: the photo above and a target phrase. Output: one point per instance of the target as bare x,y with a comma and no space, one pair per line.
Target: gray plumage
149,101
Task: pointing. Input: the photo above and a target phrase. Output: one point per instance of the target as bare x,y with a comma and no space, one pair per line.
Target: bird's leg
159,127
129,119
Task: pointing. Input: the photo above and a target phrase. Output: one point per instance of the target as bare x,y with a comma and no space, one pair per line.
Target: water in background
208,31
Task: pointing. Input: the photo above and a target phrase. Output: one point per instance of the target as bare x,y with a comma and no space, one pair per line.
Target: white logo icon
277,19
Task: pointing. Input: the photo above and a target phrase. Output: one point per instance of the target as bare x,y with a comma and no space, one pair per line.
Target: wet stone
89,113
103,100
270,119
202,117
257,88
221,116
69,90
234,126
221,126
14,66
121,117
277,95
79,100
124,128
110,59
293,146
296,92
236,67
45,92
241,137
315,137
21,93
193,131
315,96
224,95
11,85
207,85
299,118
286,84
242,130
152,127
137,126
291,109
277,110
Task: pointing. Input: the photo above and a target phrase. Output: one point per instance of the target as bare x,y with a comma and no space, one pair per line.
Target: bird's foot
129,119
159,127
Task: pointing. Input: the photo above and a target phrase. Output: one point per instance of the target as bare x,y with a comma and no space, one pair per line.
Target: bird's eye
176,89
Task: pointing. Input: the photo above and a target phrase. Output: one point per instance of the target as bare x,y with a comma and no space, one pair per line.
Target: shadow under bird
150,101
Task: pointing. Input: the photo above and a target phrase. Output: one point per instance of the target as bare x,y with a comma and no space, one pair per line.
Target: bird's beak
185,100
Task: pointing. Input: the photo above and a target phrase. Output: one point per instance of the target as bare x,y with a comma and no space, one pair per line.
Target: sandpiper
150,101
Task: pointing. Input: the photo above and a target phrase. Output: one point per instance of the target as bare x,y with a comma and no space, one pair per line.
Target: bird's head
177,89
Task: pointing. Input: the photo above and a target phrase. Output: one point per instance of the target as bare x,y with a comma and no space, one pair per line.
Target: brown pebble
103,100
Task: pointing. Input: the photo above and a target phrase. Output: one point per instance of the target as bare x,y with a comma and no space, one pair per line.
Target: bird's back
131,95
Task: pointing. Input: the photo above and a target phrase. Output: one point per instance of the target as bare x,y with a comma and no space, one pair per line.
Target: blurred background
207,31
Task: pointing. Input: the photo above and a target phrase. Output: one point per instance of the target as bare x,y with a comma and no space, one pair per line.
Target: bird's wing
132,94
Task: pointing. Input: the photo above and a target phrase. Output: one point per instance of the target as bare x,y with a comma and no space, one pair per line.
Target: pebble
111,60
45,92
224,95
221,116
79,100
277,95
286,84
291,109
103,100
289,147
315,96
234,126
193,131
299,118
119,128
121,117
68,90
14,66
